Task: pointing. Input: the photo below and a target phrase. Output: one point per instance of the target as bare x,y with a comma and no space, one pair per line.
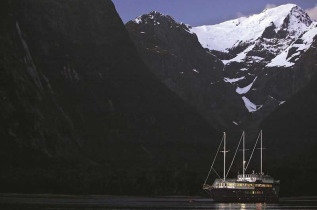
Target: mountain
291,134
81,113
176,57
257,50
262,57
282,24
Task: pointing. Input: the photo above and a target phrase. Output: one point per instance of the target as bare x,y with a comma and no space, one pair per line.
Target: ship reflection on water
243,206
92,202
292,203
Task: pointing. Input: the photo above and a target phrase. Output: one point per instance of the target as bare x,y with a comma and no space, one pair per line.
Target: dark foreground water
67,202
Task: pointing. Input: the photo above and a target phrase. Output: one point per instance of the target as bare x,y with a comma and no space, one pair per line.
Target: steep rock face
291,135
81,113
176,57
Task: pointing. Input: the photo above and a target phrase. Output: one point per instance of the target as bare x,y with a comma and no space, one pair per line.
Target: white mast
261,154
224,156
243,151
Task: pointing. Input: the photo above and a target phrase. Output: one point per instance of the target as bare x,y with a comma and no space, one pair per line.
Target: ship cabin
249,181
255,178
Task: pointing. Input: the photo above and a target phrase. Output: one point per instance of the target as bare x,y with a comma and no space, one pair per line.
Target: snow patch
281,102
195,70
241,56
234,122
233,80
251,106
280,60
246,89
138,20
257,58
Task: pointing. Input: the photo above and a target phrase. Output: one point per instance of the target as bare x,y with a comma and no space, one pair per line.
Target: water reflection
285,205
242,206
46,202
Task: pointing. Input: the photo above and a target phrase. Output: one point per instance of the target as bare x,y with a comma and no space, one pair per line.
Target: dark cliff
291,134
80,113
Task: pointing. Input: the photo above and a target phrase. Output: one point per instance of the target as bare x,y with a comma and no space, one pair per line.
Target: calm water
66,202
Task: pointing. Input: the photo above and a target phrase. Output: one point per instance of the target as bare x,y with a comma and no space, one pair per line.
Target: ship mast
243,151
224,156
261,153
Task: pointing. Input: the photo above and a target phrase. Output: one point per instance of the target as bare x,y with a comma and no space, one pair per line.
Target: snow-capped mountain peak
160,20
276,37
285,18
152,17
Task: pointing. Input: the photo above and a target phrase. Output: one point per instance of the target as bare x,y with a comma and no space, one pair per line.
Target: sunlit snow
231,33
307,39
240,57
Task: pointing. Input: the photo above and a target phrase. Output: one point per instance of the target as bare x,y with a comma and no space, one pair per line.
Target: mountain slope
80,113
258,43
291,135
262,58
176,57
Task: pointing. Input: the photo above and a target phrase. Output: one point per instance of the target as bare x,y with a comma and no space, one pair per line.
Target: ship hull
242,196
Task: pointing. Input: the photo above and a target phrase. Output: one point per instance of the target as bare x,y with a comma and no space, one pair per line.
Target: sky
204,12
